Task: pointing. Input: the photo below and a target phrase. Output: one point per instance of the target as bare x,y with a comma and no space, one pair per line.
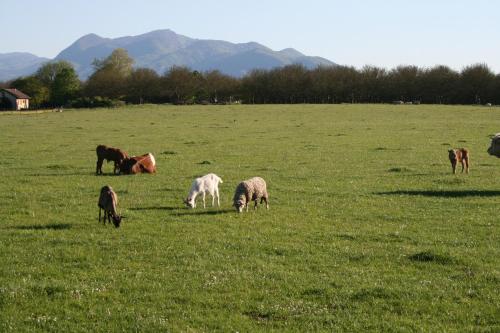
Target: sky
384,33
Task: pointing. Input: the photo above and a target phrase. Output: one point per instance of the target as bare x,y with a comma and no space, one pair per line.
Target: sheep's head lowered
189,202
240,204
494,149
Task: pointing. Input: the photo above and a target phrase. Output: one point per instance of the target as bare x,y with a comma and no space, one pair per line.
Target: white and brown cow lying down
139,164
110,154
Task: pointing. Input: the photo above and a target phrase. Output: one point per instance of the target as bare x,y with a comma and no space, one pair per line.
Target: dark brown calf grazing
139,164
459,155
108,200
110,154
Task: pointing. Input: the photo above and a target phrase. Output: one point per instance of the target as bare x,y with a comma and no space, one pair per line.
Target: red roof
17,93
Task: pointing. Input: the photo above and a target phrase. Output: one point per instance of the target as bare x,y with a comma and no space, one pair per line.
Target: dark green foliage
54,84
342,84
66,87
115,79
47,73
118,61
32,86
111,75
61,80
143,86
96,102
181,85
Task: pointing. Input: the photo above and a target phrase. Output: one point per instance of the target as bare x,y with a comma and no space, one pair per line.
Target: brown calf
459,155
110,154
108,200
139,164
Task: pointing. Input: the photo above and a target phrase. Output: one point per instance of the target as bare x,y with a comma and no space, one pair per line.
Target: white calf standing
203,185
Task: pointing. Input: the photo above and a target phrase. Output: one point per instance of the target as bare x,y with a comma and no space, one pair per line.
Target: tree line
115,81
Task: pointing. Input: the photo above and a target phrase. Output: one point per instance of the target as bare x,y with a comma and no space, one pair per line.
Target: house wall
22,104
17,104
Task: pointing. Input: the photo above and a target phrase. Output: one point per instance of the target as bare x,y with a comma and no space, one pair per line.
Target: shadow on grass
399,169
444,194
428,256
53,226
60,174
155,208
205,212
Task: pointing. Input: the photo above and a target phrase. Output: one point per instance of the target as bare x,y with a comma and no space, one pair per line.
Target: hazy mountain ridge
16,64
162,49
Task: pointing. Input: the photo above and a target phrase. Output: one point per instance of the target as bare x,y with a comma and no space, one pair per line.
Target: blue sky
384,33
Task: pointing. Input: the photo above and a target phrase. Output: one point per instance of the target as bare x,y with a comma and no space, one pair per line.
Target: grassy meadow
367,229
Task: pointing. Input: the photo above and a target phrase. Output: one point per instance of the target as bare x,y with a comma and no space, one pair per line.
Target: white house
15,99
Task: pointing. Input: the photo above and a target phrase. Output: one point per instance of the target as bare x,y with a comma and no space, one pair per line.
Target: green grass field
367,229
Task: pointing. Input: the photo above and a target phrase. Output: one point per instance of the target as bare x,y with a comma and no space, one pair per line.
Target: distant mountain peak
164,48
89,40
291,52
160,32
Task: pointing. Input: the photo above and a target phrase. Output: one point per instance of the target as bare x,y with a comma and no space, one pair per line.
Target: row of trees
475,84
116,81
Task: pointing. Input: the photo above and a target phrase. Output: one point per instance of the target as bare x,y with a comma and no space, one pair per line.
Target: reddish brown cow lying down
139,164
110,154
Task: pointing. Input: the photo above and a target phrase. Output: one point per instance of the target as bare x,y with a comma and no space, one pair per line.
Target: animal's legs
98,168
265,199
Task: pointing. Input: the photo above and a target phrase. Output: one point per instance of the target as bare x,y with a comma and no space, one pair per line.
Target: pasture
367,229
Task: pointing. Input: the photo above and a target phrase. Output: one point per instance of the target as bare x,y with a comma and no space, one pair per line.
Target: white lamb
203,185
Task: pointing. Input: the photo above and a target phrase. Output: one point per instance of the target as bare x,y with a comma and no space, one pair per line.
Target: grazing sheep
494,149
110,154
459,155
203,185
250,190
108,200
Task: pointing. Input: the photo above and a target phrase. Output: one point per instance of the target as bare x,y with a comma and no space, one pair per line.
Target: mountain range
160,50
18,64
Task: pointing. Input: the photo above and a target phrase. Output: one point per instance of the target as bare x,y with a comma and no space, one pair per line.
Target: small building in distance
13,99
